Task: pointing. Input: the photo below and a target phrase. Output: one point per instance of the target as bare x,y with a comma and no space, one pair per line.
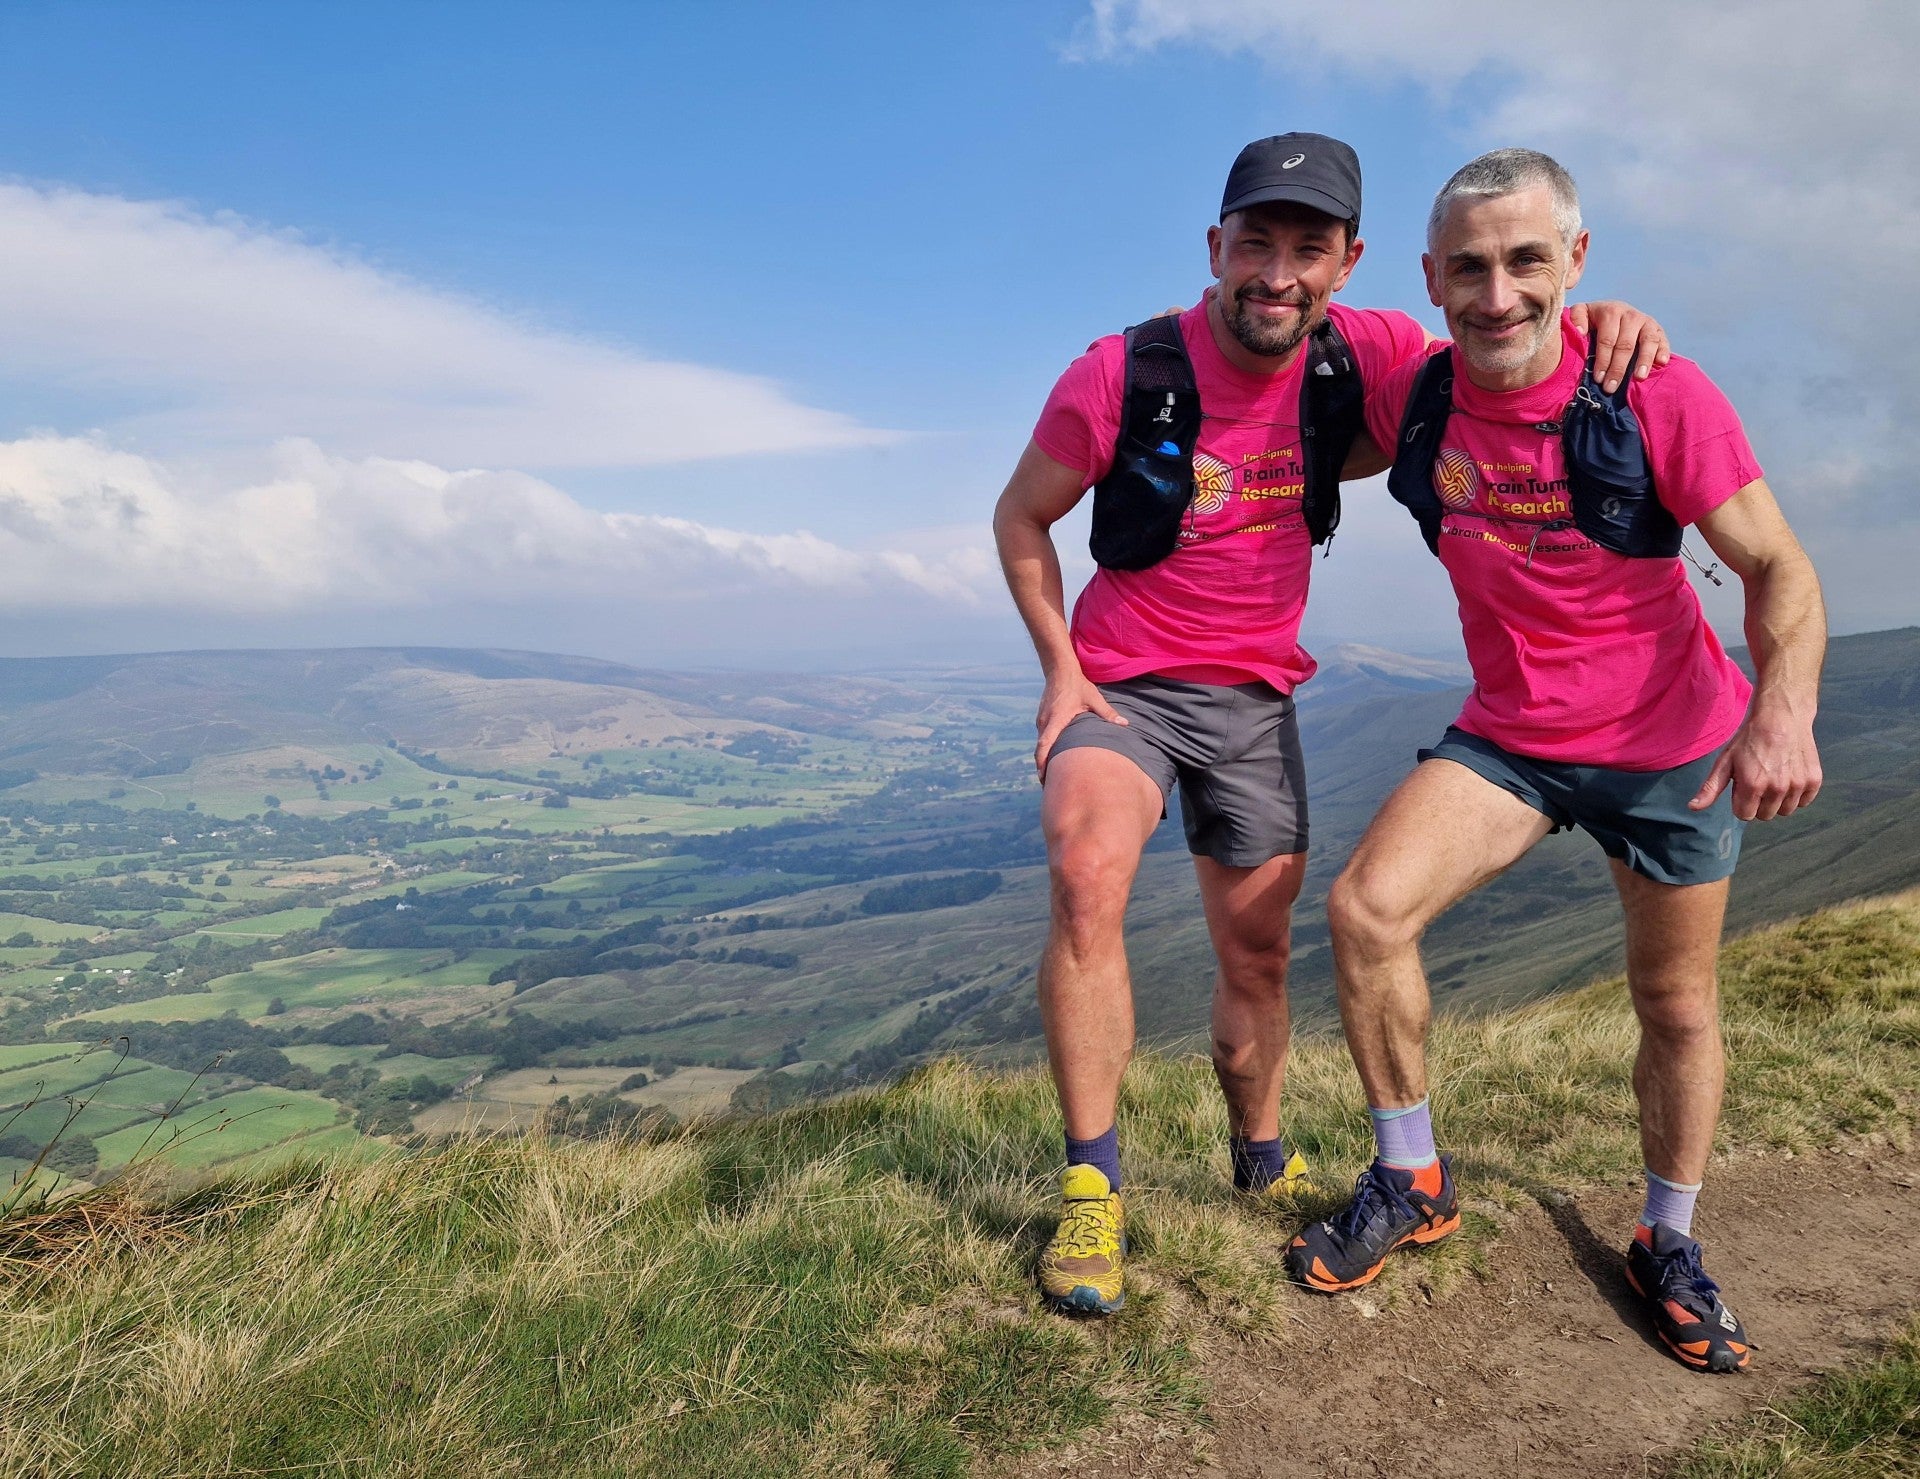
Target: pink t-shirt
1581,655
1225,606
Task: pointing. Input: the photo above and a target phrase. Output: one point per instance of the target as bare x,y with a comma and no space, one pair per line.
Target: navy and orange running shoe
1391,1208
1663,1265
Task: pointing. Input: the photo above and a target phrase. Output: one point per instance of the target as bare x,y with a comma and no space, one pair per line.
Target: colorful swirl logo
1455,478
1212,484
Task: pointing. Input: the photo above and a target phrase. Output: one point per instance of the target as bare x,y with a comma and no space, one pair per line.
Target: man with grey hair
1507,172
1602,700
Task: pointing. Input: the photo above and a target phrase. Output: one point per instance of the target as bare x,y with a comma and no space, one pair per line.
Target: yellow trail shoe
1292,1181
1268,1170
1080,1271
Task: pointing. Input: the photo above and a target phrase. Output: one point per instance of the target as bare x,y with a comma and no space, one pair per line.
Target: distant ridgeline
309,897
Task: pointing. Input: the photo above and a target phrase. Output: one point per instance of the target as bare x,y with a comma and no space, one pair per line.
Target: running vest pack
1142,502
1609,482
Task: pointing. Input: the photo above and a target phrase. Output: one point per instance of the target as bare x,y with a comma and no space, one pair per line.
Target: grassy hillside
1862,1423
842,1289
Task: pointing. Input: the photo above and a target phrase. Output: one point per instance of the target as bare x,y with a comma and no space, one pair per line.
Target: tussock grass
840,1290
1861,1424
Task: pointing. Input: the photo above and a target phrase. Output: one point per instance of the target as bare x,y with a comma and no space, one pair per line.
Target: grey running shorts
1637,816
1233,749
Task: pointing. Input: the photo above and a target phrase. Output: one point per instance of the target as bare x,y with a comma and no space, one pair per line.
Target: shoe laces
1684,1274
1373,1189
1087,1230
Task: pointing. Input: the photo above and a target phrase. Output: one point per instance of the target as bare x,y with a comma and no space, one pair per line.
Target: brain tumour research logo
1455,478
1212,484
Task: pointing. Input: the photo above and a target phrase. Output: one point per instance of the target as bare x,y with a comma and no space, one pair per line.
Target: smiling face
1500,269
1277,266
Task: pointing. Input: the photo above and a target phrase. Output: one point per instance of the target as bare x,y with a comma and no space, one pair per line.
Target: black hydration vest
1609,484
1140,505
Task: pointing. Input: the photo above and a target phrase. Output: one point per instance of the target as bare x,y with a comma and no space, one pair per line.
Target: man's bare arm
1040,493
1623,339
1772,762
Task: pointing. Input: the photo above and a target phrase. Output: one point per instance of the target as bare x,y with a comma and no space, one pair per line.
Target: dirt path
1547,1369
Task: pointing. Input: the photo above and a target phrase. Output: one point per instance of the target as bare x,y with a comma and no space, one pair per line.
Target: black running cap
1311,169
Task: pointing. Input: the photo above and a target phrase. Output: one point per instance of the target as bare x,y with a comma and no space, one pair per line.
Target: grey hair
1505,172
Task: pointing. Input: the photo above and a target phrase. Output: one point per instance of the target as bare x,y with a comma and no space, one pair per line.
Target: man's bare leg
1673,947
1249,918
1442,834
1446,831
1673,952
1097,811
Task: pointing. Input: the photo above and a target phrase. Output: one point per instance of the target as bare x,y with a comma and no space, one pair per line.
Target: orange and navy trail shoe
1079,1272
1391,1207
1663,1265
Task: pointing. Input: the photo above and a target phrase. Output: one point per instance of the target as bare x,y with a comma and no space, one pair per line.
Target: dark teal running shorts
1637,816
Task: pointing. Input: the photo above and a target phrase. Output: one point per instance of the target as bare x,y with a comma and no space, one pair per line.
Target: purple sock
1102,1152
1257,1164
1670,1204
1405,1136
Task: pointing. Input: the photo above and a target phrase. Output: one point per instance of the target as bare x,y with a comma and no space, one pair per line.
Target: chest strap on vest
1332,416
1610,477
1610,486
1140,506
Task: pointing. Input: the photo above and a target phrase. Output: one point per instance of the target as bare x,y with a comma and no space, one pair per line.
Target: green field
65,1075
333,1143
112,1096
322,1056
222,1129
268,926
22,1055
325,979
42,929
428,883
149,1091
448,1071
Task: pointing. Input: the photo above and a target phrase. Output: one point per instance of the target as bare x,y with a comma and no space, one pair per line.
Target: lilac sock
1405,1136
1102,1152
1257,1164
1670,1204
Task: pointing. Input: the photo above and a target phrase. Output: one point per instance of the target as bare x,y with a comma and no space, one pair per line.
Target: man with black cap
1215,458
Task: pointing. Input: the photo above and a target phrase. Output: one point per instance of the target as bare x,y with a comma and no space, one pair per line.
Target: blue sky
696,334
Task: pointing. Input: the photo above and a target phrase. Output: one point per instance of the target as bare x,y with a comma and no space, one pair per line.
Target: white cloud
1766,149
1782,133
87,527
221,332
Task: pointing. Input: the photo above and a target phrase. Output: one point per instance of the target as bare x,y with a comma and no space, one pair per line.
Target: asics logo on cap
1290,163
